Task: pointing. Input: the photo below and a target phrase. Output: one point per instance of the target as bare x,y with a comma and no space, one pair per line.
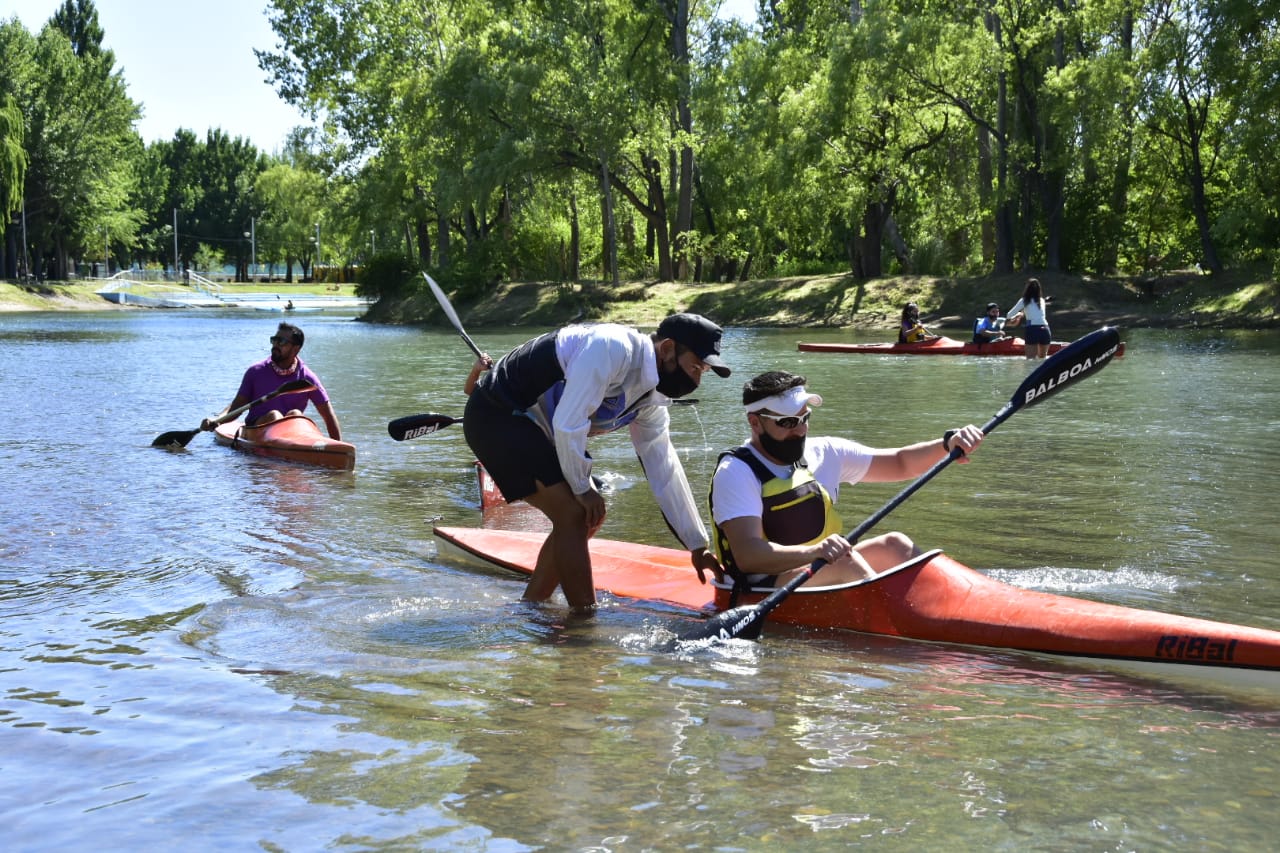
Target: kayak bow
294,438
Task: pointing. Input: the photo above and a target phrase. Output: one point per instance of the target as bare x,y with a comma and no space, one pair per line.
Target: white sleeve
599,365
651,436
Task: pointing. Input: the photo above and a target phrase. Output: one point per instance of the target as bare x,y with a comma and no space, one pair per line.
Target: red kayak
933,598
295,438
938,346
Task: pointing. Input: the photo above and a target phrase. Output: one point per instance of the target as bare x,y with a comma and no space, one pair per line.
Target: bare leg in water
564,560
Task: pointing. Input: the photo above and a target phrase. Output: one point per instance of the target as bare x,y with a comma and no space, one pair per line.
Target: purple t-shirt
261,379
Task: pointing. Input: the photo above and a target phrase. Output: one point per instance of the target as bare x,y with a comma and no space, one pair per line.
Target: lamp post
253,245
373,244
317,247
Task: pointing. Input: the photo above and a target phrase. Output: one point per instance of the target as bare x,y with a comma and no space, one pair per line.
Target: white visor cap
790,402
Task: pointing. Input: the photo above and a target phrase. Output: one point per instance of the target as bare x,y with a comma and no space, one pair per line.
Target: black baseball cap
696,333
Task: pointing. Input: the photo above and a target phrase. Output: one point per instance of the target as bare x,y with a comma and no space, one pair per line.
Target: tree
292,200
13,159
82,145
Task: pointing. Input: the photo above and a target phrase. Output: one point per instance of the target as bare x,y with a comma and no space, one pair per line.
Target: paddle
416,426
1064,367
451,314
180,438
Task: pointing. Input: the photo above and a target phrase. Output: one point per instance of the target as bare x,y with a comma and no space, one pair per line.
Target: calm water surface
231,653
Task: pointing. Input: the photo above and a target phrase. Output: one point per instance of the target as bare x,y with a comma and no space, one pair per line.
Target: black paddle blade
175,438
740,623
415,426
1076,360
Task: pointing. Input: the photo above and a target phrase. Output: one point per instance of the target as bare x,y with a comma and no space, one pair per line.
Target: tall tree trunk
985,177
1004,208
610,227
1119,207
684,121
575,237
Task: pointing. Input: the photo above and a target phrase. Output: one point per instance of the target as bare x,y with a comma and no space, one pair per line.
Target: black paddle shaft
1073,362
447,307
180,438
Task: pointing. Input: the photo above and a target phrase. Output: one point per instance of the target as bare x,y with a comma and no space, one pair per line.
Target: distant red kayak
295,438
931,598
939,346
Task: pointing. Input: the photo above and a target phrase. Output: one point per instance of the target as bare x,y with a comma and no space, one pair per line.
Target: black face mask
785,450
676,383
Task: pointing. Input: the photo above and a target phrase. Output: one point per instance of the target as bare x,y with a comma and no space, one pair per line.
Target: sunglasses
280,339
787,421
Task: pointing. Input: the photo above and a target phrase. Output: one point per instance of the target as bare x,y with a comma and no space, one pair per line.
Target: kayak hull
940,346
933,598
294,438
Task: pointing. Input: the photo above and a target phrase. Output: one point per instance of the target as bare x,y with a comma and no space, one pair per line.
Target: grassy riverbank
1182,300
1234,300
78,296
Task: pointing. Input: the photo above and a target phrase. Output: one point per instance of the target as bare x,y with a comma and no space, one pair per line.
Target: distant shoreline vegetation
891,142
1176,300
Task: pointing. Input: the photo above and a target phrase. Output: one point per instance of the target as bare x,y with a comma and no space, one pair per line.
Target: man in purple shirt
266,376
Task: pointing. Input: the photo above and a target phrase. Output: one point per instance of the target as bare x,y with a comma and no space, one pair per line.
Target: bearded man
529,417
773,499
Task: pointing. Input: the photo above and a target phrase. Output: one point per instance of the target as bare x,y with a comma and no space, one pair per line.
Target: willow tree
13,159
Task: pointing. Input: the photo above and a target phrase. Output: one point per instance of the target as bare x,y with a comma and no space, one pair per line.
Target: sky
190,63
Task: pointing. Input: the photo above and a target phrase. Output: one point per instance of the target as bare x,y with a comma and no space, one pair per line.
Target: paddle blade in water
740,623
175,438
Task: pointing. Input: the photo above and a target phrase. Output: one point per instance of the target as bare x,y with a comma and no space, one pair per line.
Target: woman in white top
1031,307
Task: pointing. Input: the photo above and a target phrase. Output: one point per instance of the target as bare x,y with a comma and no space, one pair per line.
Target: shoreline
1182,300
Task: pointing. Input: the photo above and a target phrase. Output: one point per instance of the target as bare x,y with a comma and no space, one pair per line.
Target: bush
387,275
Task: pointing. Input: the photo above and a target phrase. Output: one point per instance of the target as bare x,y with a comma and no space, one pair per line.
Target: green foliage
388,275
483,139
13,159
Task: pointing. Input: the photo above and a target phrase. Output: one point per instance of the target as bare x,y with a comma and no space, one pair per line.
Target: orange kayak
939,346
933,598
295,438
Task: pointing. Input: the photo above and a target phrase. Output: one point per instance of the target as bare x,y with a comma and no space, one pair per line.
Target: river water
223,652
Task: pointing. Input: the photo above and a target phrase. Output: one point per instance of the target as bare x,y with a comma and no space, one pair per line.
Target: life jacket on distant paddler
797,511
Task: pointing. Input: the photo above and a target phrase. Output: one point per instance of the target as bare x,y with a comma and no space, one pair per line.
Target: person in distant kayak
1031,308
529,417
283,365
911,330
773,499
990,327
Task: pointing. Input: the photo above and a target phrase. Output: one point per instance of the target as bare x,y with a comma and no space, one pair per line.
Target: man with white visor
773,499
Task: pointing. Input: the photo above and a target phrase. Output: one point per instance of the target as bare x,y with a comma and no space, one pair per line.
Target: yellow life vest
797,510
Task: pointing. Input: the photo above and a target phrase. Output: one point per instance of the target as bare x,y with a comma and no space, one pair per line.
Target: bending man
529,418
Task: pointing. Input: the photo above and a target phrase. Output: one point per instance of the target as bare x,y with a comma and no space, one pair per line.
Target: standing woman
1031,307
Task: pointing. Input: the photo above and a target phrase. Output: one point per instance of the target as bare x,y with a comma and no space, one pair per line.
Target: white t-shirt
1034,311
735,488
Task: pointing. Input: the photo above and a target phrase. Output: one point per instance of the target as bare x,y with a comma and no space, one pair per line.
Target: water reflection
279,656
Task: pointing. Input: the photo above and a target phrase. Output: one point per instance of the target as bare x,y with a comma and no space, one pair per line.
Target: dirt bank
1174,301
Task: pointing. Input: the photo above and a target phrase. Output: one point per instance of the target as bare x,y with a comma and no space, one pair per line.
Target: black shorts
1037,335
513,449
